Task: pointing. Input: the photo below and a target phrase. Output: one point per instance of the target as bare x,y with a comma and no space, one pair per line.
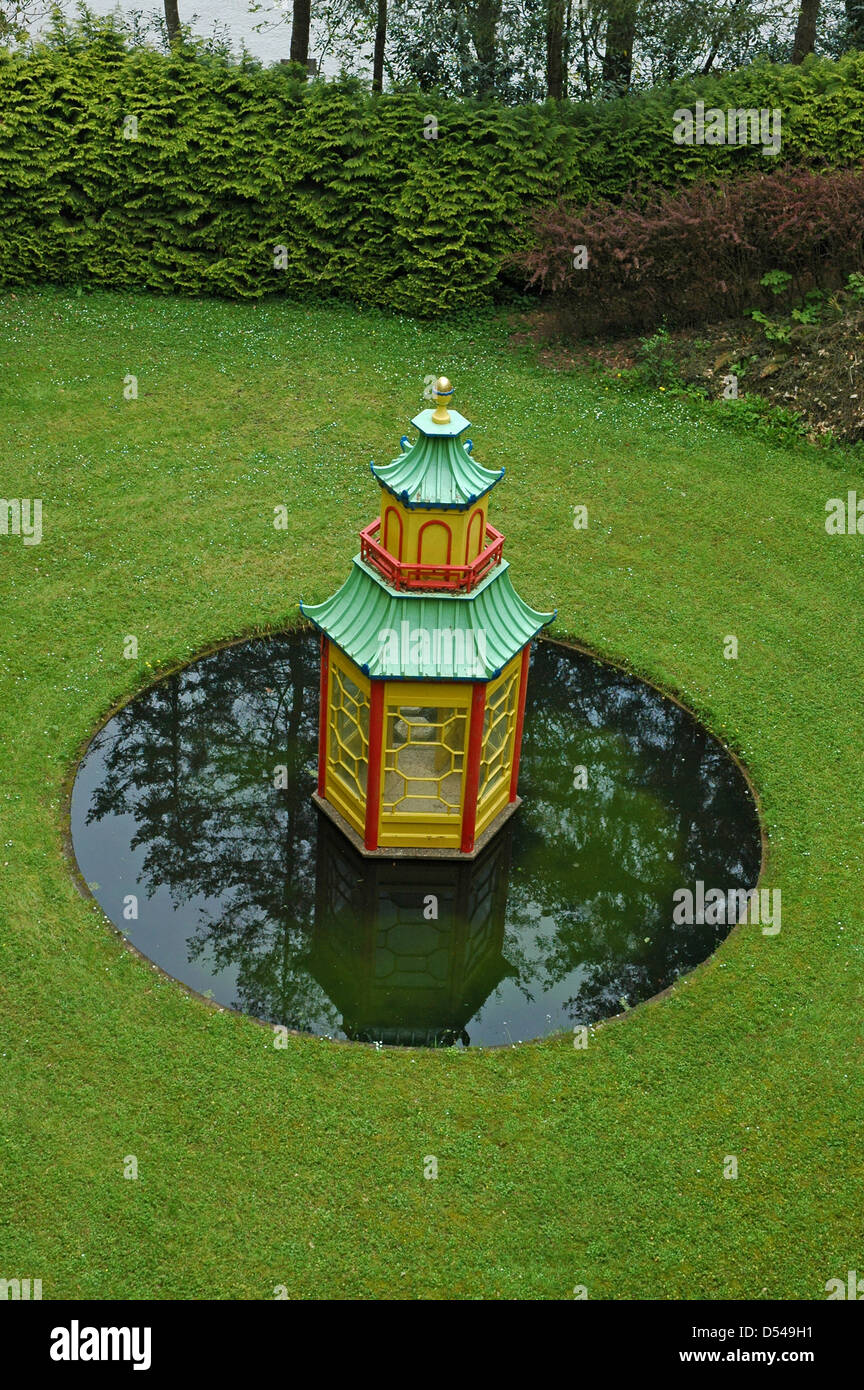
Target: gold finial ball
443,392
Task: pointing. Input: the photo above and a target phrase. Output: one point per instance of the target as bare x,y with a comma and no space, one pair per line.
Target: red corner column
373,775
472,766
322,716
520,719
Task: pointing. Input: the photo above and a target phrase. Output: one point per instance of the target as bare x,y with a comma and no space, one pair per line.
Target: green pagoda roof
438,470
422,636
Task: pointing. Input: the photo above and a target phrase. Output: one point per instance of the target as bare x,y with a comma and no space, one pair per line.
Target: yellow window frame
413,828
493,796
348,799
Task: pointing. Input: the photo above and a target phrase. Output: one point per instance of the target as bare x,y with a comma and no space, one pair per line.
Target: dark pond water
245,893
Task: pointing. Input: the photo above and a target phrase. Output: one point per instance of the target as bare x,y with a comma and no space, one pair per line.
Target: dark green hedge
231,161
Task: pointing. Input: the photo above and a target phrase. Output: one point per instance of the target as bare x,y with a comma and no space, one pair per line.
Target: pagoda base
403,851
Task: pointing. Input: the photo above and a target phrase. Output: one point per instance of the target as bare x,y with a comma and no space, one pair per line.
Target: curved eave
382,629
436,473
407,501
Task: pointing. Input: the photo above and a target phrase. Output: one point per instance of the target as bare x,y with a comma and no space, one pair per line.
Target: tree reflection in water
196,798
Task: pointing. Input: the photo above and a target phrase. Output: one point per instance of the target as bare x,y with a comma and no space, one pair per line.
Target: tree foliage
524,50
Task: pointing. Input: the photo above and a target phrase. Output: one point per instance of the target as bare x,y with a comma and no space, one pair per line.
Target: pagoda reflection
398,973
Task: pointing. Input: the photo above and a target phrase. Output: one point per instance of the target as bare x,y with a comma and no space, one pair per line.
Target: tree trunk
485,18
805,34
715,42
380,40
172,20
555,49
586,55
300,19
620,37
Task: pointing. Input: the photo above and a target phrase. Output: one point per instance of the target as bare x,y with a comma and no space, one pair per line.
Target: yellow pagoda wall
430,535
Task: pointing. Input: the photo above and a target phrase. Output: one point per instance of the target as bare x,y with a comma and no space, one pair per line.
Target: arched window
474,539
392,537
434,543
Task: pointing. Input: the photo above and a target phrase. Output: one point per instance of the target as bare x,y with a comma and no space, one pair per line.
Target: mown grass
304,1167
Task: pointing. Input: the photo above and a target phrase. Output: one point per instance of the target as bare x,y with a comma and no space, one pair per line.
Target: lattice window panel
499,733
349,732
424,760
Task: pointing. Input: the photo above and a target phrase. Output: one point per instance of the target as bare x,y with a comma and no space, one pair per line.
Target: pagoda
424,659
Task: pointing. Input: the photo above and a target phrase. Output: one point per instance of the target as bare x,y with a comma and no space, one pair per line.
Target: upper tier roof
437,471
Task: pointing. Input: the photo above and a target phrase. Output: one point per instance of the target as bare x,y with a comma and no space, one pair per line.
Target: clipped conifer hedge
187,173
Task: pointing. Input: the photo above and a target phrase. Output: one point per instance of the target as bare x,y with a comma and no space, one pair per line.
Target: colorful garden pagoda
424,659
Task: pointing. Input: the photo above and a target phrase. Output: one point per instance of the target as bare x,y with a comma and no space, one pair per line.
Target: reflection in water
195,799
395,974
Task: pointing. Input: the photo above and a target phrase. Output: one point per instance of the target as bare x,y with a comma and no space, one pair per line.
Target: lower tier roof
394,635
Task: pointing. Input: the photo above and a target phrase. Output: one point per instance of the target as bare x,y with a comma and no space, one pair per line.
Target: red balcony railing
448,577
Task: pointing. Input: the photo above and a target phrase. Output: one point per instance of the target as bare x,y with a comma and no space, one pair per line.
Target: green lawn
304,1167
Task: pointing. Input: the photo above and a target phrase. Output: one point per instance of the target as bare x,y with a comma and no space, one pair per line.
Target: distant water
230,18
